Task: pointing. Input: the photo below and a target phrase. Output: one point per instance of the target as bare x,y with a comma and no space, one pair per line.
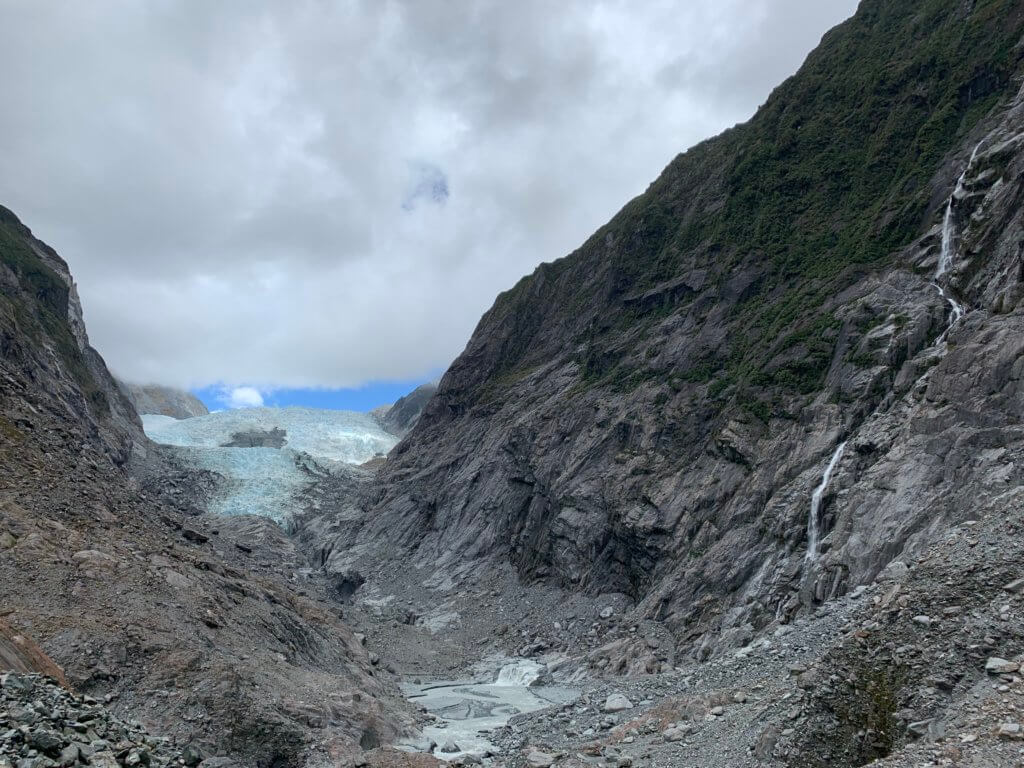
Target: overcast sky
321,194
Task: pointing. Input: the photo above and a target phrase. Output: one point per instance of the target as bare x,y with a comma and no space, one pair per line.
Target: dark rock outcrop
257,438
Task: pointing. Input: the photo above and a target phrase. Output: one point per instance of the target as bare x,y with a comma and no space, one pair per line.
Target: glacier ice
268,481
346,436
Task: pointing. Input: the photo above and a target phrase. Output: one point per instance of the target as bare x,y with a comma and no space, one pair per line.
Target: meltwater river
470,711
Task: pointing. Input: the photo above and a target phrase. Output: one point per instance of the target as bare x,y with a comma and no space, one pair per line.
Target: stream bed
469,711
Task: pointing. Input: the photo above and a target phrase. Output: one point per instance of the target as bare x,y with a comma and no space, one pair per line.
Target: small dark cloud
429,185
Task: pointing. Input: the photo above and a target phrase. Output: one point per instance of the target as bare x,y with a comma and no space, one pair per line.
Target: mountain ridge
613,418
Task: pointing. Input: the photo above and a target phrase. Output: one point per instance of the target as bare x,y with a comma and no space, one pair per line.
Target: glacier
346,436
269,481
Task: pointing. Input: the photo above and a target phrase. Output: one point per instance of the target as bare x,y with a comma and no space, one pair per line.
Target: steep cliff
653,413
46,359
195,625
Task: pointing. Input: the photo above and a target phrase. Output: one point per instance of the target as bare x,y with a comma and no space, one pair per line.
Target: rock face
403,415
199,626
165,401
652,414
43,342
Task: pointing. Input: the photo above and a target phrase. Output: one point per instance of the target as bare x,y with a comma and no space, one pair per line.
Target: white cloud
243,397
321,194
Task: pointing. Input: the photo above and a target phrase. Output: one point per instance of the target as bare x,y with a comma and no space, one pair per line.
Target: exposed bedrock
652,414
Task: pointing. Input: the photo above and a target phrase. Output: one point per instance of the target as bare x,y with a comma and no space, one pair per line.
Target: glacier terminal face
262,453
345,436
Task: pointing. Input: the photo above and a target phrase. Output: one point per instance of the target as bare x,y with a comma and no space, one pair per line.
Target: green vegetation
827,182
43,317
869,727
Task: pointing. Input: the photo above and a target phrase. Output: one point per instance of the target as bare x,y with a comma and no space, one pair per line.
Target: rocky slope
202,628
45,725
653,414
164,401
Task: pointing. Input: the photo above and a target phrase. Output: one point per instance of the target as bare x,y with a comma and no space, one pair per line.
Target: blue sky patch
365,398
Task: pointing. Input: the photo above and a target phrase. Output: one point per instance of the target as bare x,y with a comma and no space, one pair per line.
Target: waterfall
948,234
812,520
947,249
957,311
522,673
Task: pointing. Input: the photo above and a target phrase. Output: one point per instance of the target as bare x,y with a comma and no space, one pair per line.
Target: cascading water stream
947,249
957,310
948,233
819,492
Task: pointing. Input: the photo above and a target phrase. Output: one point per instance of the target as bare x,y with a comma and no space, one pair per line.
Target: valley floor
804,693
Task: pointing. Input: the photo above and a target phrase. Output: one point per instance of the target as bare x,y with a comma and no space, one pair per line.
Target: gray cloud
241,187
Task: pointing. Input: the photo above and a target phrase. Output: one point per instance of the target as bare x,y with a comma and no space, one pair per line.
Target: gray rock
45,741
1016,586
538,759
676,733
616,702
996,666
1010,731
919,728
69,755
192,755
103,759
400,418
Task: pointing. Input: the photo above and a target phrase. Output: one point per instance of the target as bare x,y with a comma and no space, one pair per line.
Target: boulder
616,702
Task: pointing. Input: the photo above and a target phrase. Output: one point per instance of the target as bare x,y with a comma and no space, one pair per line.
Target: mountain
678,384
194,624
789,368
399,418
163,401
